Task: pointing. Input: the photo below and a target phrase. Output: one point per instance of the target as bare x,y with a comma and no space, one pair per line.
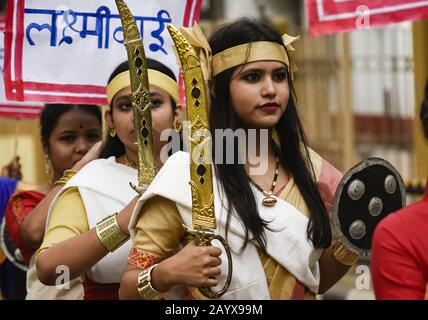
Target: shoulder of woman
35,194
21,203
95,167
323,167
99,163
316,161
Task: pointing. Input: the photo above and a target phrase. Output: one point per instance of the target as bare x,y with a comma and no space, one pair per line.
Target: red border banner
23,111
15,90
15,110
332,16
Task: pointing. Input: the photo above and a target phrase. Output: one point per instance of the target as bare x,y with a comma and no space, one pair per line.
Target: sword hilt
139,189
204,238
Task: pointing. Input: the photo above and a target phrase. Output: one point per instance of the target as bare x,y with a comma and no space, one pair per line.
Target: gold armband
67,175
343,255
144,285
110,234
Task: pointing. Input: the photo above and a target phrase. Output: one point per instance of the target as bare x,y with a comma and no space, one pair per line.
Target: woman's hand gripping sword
203,216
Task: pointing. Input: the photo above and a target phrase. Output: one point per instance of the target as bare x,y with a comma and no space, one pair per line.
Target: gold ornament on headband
288,40
197,39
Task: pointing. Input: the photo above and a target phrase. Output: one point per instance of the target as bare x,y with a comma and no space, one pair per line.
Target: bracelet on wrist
344,255
144,285
110,234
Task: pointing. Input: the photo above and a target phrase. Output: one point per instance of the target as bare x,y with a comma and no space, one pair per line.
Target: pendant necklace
269,200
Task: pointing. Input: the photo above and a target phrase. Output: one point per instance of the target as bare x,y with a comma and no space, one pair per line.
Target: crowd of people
277,223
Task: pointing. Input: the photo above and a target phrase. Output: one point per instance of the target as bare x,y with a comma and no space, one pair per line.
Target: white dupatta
287,243
104,188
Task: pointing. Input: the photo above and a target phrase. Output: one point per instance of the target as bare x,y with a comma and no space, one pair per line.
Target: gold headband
156,78
241,54
248,52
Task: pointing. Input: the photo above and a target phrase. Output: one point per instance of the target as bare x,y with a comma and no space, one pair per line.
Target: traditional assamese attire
95,192
19,206
287,270
98,190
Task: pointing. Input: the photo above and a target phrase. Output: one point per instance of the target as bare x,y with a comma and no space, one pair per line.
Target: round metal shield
10,251
366,194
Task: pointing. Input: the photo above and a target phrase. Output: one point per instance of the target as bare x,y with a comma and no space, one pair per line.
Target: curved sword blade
141,101
203,216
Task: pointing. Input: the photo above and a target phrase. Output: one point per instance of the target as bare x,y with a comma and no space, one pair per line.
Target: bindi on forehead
81,126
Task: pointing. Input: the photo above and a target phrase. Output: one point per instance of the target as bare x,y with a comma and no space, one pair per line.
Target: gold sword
141,101
203,216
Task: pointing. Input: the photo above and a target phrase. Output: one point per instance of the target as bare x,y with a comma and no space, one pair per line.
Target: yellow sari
161,217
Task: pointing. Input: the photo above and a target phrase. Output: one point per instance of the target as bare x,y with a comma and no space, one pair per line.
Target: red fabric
332,16
18,207
298,291
400,254
100,291
278,192
327,184
141,259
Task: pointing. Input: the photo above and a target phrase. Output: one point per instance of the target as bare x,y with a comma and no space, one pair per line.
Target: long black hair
113,145
294,154
52,112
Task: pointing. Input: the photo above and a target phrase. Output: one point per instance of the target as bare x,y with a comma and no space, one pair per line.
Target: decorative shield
11,252
366,194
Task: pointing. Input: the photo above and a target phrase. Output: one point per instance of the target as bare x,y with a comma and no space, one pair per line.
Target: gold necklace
269,200
129,163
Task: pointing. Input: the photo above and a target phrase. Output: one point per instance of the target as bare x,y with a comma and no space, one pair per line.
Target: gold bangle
144,285
344,255
66,176
110,234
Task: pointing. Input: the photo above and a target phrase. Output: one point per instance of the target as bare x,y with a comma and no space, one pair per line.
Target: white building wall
241,8
382,71
234,9
382,75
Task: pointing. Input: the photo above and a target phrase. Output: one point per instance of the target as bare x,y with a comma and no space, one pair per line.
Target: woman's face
122,118
74,134
259,93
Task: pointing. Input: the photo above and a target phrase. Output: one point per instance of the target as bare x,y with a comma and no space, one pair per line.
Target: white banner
64,51
12,109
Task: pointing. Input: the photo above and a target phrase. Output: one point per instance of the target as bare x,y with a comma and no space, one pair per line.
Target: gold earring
177,126
48,165
113,133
